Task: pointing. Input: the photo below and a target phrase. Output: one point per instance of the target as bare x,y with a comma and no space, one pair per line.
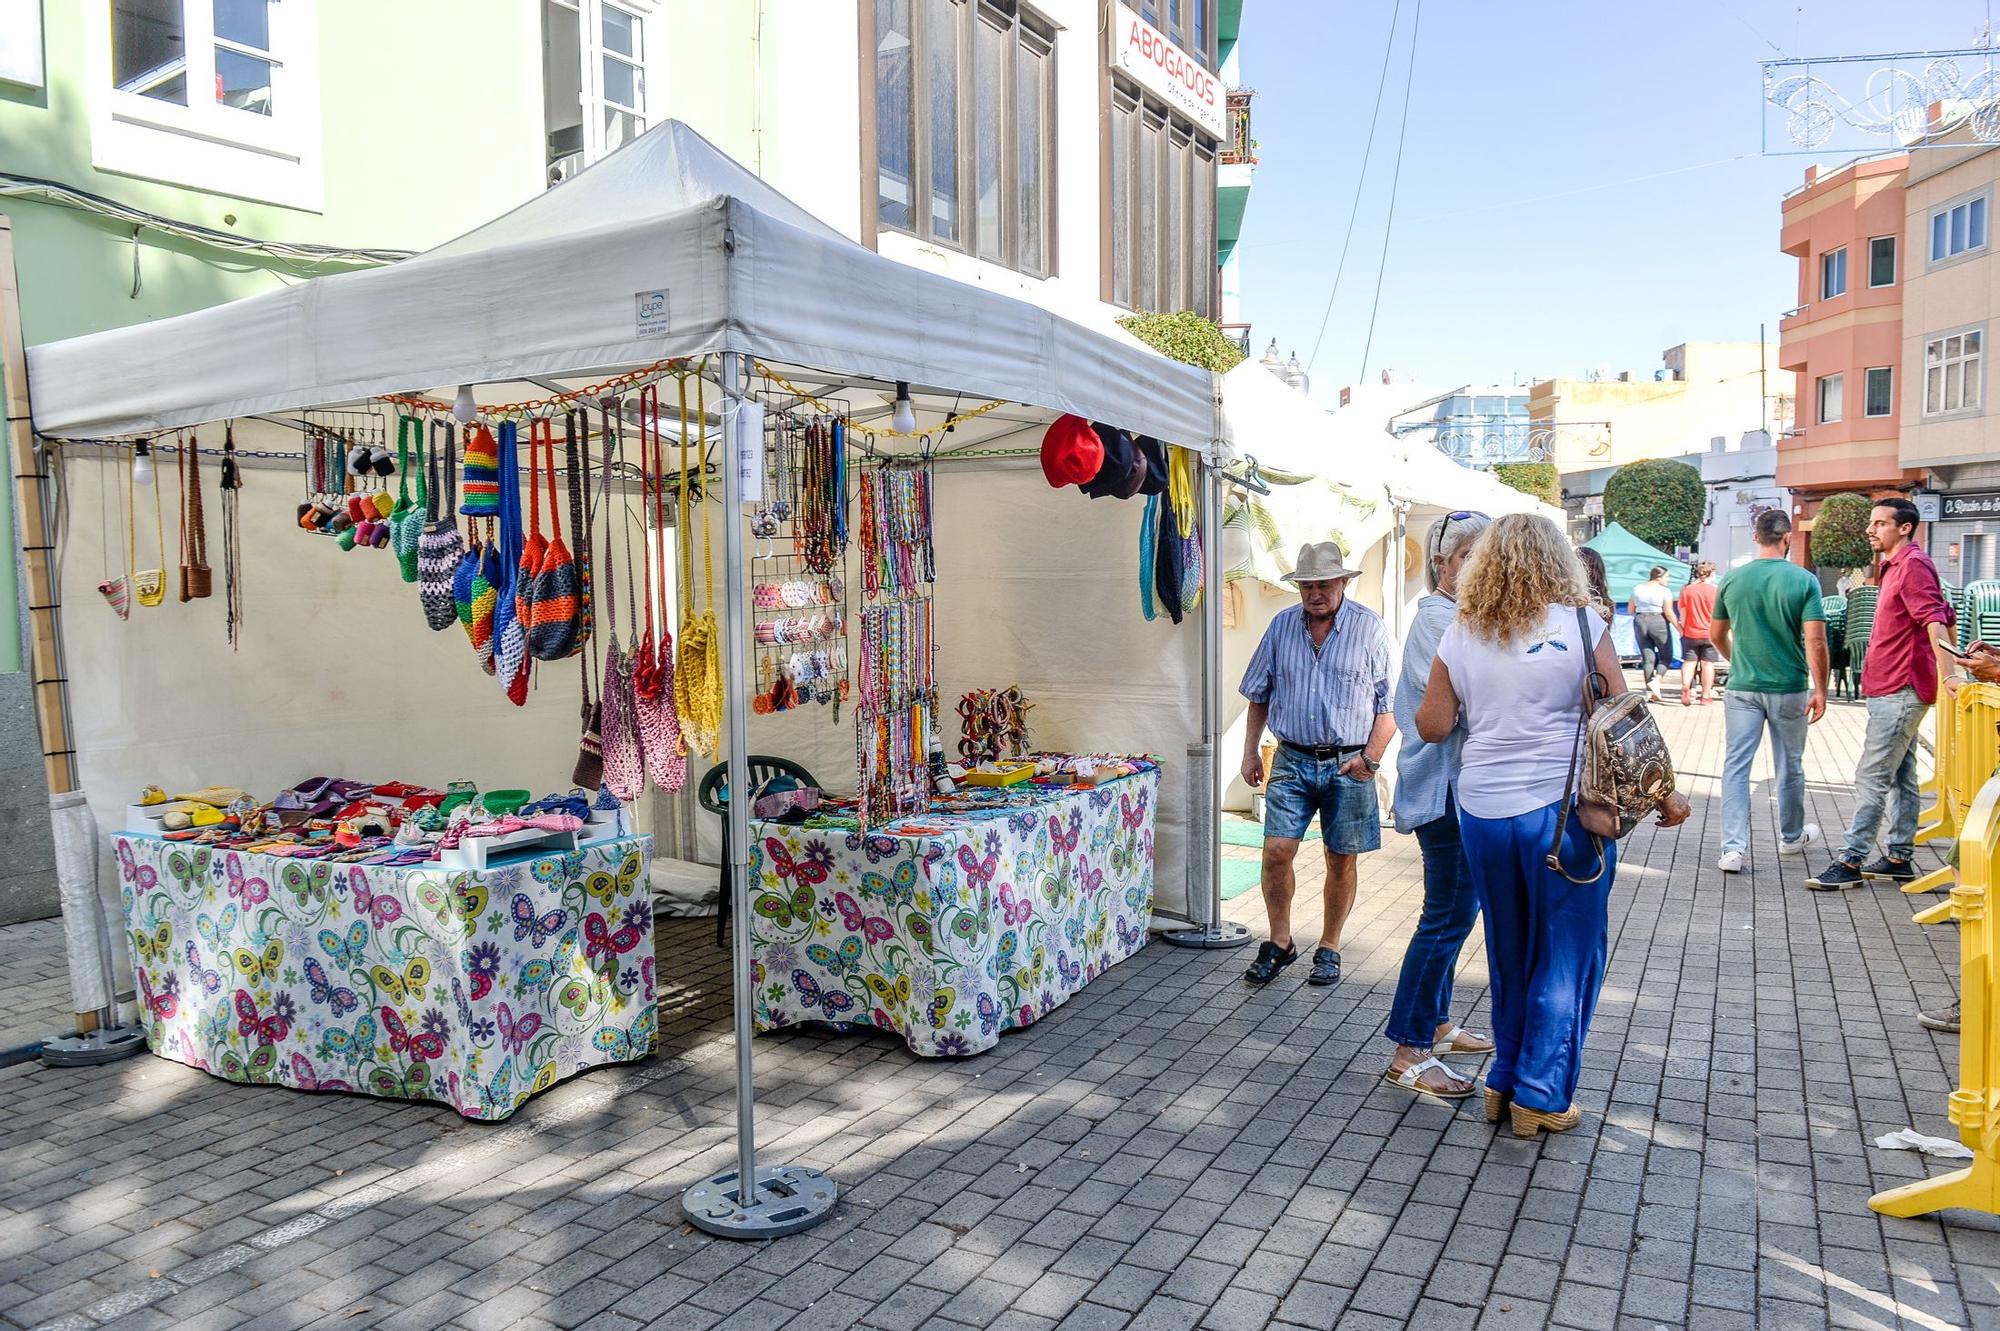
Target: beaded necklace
820,531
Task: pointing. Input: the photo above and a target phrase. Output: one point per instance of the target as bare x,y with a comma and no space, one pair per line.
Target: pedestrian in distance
1899,684
1320,680
1596,581
1514,663
1698,652
1424,803
1769,620
1652,606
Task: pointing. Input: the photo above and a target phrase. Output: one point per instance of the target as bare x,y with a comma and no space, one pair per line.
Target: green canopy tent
1629,561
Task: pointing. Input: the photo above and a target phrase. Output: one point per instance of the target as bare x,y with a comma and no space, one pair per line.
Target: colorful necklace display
896,719
896,554
820,531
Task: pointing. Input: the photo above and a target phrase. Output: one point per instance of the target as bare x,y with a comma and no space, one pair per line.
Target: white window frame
1948,207
1866,374
1895,260
1838,382
204,145
592,54
1976,361
1829,261
21,43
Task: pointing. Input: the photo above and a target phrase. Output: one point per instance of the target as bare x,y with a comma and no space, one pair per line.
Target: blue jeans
1546,943
1887,777
1300,786
1423,994
1746,715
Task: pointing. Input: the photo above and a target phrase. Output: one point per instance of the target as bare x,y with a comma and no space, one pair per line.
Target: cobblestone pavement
1168,1150
37,984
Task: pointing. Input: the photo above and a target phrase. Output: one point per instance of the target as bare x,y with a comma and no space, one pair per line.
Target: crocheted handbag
535,545
624,760
653,665
482,473
439,547
510,635
476,609
196,579
406,519
554,618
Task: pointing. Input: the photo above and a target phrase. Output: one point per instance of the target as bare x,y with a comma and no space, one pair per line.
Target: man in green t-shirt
1769,622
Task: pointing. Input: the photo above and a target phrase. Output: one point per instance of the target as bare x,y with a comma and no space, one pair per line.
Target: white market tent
666,250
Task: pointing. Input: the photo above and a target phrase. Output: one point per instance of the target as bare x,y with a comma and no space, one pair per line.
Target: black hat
1123,470
1155,455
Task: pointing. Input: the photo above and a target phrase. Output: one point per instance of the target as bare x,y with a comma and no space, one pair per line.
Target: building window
1958,229
1882,261
160,49
1881,389
1833,273
1830,399
594,66
1953,369
1162,216
21,42
965,127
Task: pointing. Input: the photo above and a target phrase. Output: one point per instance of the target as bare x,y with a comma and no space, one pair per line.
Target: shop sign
1930,504
1161,67
1970,504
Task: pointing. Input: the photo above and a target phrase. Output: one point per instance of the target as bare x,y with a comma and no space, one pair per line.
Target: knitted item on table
482,474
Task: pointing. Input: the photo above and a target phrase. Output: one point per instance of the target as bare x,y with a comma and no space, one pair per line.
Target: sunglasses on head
1444,525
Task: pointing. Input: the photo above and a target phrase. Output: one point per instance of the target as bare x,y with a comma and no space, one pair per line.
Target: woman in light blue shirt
1420,1021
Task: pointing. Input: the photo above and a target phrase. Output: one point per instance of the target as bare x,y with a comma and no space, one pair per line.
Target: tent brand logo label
1150,56
649,316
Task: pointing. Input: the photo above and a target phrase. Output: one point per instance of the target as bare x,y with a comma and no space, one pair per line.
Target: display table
952,928
474,989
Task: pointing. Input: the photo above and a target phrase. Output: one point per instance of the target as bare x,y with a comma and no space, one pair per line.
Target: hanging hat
1321,561
481,492
1155,454
1071,452
1123,469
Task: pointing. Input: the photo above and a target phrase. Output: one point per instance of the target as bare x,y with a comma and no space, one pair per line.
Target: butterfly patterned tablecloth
975,925
474,989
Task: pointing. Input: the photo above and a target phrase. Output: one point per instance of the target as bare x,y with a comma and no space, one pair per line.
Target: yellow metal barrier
1968,726
1937,823
1974,1108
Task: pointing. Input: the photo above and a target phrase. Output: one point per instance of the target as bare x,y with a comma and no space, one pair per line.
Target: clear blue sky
1528,237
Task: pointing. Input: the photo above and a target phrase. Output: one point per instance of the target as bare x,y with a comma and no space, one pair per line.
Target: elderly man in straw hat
1320,681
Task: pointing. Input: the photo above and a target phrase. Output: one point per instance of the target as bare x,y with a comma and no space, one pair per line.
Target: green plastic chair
714,796
1860,624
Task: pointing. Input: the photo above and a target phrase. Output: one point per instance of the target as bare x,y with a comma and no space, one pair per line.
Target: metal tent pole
1210,929
781,1199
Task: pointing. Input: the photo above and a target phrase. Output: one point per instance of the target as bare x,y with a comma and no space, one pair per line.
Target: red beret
1071,452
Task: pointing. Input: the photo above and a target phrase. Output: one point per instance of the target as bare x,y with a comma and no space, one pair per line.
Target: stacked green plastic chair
1979,615
1836,642
1954,596
1860,624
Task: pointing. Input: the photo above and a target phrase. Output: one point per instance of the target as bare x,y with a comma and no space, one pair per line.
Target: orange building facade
1844,341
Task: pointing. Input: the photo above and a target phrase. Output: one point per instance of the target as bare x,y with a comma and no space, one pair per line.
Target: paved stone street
1168,1150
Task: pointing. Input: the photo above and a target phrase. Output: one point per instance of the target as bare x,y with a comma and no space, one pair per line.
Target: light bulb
465,409
904,418
142,463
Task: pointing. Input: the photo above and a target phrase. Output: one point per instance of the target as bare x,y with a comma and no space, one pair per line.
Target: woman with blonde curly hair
1514,661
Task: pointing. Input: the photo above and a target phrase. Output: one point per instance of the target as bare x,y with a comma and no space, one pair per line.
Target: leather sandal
1459,1040
1270,960
1411,1078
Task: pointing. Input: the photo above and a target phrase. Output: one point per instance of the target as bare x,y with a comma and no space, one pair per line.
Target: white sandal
1449,1044
1410,1079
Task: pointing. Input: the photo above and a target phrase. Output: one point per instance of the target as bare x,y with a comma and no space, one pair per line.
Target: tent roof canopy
666,249
1629,561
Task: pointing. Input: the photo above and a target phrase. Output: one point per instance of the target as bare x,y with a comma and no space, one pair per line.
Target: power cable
1395,180
1388,52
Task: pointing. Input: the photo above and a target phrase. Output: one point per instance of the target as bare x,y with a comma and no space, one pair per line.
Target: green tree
1659,501
1840,532
1185,337
1531,478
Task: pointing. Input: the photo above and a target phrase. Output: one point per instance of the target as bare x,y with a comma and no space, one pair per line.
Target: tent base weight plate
789,1198
105,1045
1226,934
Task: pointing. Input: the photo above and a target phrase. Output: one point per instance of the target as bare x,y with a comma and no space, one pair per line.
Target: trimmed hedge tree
1185,337
1531,478
1840,532
1659,501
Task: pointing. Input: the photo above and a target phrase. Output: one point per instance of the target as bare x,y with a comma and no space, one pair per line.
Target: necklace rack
896,716
798,563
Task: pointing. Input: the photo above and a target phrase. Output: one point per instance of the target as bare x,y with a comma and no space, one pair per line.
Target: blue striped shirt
1330,694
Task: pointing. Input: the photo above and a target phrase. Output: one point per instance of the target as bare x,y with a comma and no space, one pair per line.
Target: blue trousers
1546,943
1423,994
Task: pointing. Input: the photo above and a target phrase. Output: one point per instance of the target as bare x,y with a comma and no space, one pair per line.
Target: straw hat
1321,561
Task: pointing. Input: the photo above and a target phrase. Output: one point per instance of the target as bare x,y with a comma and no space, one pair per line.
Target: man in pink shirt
1899,682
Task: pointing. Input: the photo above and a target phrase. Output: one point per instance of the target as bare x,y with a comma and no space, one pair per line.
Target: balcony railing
1241,148
1237,333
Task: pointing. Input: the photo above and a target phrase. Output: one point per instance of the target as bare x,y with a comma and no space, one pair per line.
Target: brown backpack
1620,771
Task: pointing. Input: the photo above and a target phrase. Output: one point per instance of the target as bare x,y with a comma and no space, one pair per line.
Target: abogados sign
1146,53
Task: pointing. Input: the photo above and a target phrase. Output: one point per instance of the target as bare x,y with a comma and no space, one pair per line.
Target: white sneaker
1731,861
1806,838
1653,693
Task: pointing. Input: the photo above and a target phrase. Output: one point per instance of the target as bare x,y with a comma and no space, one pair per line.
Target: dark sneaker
1944,1019
1270,960
1326,967
1886,870
1835,876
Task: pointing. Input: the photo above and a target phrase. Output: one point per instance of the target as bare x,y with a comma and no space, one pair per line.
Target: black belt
1321,752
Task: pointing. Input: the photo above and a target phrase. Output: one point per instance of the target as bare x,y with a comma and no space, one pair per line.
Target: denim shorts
1298,787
